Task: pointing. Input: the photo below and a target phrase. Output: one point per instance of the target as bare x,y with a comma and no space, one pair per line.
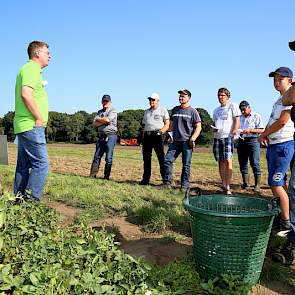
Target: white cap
155,96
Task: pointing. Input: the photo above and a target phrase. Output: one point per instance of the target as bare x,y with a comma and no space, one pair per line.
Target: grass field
127,166
141,217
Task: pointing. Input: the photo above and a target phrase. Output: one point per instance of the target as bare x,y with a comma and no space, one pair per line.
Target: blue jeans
32,162
105,145
291,191
249,149
175,148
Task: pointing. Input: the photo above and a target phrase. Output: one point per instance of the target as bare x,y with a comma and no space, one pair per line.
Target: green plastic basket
230,234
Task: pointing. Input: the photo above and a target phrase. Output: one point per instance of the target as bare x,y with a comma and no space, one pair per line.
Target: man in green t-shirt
31,116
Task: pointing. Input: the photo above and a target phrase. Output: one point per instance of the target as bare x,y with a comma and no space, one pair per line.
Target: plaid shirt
253,121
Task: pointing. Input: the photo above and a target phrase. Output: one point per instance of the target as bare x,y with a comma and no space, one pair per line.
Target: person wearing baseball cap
248,144
278,137
185,124
283,72
156,123
106,123
287,253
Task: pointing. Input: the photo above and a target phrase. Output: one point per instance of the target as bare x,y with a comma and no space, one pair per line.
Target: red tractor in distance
132,141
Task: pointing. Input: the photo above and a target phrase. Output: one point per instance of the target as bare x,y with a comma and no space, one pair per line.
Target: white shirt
253,121
284,134
154,119
223,118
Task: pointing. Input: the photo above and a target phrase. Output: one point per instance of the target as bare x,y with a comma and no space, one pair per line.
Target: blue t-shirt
184,122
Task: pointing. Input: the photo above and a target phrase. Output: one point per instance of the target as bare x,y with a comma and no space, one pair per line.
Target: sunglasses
152,99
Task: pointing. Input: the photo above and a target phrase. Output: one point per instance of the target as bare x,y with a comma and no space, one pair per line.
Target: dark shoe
286,256
282,228
107,171
245,184
143,182
257,183
93,170
285,224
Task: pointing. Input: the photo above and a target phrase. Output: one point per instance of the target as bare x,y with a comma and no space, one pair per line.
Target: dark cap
106,97
185,91
244,104
292,45
282,71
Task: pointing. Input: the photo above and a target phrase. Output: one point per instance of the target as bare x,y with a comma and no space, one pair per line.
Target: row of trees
63,127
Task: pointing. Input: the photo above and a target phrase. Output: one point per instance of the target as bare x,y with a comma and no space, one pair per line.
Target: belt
103,135
245,139
156,132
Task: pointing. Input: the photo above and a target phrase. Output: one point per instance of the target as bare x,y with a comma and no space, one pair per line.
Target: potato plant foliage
38,257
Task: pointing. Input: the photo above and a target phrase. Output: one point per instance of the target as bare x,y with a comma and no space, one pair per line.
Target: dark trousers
249,149
149,143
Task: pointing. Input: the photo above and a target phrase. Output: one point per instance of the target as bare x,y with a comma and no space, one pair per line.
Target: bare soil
67,213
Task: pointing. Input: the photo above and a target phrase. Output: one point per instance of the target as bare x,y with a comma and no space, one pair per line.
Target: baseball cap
106,97
244,104
185,91
154,95
282,71
292,45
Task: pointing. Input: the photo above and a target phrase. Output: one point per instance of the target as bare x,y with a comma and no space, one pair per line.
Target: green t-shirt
30,75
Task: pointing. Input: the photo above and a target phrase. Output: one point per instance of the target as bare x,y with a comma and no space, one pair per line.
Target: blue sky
130,49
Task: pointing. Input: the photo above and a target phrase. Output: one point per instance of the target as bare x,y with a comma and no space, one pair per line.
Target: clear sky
131,48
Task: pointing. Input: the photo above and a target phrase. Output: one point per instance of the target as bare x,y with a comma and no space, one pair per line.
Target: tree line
77,128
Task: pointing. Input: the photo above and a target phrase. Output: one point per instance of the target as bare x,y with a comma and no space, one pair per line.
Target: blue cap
244,104
282,71
292,45
106,97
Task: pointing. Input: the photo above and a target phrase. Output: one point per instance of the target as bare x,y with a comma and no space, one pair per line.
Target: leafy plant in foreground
39,258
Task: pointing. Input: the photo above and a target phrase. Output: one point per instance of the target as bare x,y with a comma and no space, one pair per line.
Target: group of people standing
184,125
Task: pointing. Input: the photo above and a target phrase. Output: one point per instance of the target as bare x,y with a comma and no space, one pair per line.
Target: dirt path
154,248
68,213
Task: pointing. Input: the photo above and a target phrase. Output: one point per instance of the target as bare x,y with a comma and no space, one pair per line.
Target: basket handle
187,194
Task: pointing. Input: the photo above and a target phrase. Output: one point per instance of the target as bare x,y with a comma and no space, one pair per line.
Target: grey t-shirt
111,114
154,119
185,121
